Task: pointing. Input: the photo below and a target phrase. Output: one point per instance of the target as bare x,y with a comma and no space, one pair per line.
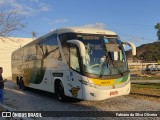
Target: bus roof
85,30
88,30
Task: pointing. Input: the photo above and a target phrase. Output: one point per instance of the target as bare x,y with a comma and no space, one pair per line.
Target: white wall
138,66
7,46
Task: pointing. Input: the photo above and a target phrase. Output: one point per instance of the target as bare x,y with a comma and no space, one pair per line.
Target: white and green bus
83,63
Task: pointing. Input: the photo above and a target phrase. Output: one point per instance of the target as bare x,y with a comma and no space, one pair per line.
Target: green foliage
149,52
158,34
157,26
148,85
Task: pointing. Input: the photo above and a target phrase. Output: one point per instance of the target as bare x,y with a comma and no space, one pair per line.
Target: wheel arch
57,81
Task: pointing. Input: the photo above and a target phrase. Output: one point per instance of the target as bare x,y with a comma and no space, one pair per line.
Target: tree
10,21
34,35
157,26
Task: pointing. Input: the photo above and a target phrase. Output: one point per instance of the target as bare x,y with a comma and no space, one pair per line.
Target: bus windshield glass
105,54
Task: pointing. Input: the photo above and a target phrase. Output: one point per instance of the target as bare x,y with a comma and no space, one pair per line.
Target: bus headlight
86,82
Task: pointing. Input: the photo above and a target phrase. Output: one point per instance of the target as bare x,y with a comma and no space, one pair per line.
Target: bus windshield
105,55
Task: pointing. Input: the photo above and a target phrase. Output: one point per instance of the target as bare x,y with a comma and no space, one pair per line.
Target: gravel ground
33,100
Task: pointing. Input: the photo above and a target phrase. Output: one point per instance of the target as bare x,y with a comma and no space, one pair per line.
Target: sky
132,20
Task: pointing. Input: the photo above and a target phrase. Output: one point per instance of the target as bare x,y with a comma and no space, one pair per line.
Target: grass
147,85
146,88
153,77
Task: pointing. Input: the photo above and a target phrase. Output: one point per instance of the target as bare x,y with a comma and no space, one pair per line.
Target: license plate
114,93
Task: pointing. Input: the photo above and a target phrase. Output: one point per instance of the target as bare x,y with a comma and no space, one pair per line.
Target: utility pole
34,35
142,65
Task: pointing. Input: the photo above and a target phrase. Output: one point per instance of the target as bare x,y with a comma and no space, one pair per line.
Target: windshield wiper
116,67
109,62
106,61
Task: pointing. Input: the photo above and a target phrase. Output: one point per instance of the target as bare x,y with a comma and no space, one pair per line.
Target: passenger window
48,48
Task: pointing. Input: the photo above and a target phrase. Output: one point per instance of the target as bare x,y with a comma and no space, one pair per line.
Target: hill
148,52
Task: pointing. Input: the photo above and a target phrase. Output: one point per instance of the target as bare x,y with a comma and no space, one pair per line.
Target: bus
79,62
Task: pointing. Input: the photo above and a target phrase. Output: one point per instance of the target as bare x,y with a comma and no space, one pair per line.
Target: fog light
93,94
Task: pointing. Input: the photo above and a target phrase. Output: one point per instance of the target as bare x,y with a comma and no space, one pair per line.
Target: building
7,46
137,66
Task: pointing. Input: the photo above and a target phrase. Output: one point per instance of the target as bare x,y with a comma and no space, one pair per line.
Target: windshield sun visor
112,47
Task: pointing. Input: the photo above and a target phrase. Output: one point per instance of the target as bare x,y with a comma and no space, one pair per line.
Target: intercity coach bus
84,63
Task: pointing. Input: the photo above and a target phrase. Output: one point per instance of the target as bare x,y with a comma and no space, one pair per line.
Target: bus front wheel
60,91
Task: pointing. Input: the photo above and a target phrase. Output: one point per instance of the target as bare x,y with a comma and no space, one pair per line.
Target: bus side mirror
133,47
80,45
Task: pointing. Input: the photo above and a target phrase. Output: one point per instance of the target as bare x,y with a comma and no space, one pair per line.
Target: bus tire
21,84
60,91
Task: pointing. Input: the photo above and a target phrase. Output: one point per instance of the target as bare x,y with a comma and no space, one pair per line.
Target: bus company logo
74,91
6,114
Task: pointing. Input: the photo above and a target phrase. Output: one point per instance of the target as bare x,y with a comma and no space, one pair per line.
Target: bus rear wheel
60,92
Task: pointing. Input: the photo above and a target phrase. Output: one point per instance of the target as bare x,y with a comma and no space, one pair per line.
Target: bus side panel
43,79
25,70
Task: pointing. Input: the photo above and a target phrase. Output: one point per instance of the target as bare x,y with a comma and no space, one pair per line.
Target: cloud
61,20
2,2
53,22
34,0
25,7
96,25
43,6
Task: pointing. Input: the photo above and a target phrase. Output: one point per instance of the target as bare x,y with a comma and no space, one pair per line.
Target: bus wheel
60,92
21,84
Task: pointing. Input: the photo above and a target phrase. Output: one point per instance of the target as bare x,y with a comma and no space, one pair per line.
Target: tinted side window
30,53
67,36
48,48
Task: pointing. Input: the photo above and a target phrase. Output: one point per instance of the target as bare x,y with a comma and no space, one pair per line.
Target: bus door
74,73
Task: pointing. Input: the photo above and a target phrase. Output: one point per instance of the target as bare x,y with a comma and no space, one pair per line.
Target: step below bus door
75,85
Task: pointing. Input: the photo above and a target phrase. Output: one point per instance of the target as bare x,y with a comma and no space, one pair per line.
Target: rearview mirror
133,47
80,45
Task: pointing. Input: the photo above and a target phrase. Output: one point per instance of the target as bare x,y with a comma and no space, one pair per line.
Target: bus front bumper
95,94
